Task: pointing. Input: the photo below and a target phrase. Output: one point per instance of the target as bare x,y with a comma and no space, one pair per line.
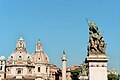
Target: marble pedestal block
97,67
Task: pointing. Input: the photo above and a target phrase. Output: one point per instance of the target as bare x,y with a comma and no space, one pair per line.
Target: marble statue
84,69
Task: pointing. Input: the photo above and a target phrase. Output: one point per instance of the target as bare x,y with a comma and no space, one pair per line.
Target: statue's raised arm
92,26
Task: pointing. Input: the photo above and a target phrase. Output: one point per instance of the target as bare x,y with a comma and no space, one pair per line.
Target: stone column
64,60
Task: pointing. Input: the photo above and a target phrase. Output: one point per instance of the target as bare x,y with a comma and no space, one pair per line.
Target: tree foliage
75,73
112,77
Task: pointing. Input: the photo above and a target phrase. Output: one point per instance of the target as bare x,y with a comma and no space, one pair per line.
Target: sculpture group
96,44
96,60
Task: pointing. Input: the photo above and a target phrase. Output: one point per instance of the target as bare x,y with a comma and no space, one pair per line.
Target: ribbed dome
39,56
19,55
2,58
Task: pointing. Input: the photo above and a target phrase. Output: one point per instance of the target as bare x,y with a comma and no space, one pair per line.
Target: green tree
112,77
75,74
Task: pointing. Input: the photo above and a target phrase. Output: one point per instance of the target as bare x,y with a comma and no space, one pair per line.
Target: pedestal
97,67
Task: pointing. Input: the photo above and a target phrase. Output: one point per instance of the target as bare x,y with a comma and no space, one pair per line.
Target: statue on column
96,44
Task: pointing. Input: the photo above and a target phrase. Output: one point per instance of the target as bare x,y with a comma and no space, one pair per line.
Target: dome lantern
39,46
21,44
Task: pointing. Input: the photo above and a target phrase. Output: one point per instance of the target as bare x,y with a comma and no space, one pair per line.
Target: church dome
20,53
2,58
39,56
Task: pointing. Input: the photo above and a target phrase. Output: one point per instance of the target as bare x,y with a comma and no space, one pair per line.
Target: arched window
30,70
38,69
97,65
20,57
46,69
0,67
20,44
38,47
11,56
19,72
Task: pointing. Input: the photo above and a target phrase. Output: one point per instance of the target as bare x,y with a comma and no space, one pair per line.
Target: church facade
23,66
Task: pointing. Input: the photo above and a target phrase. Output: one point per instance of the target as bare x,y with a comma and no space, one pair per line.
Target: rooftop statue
84,69
96,42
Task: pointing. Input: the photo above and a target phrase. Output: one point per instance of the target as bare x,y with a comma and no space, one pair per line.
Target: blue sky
60,24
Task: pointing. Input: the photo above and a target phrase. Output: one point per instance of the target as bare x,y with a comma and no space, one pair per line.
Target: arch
38,69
